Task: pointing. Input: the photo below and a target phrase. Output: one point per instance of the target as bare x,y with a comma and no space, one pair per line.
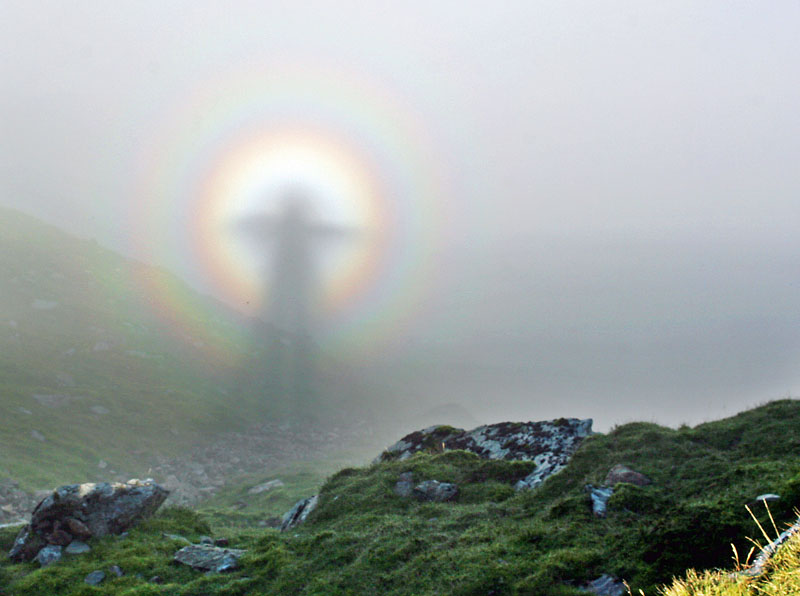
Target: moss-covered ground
363,539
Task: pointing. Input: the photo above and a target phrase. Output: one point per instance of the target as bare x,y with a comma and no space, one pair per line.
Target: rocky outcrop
205,557
549,444
433,490
80,511
299,513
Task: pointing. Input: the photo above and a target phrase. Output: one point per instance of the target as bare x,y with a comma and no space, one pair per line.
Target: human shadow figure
293,238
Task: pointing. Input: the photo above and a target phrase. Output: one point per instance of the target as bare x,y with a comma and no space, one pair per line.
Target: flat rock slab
205,557
77,547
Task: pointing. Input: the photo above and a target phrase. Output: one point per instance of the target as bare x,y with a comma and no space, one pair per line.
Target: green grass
363,539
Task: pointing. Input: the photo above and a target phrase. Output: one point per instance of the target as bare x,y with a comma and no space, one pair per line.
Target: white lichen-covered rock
549,444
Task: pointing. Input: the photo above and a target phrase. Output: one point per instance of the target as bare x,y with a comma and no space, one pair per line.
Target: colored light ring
376,167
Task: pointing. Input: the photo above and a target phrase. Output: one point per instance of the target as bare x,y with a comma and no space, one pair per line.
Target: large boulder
550,444
81,511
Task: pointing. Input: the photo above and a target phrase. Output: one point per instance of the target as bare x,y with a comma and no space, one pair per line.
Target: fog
563,208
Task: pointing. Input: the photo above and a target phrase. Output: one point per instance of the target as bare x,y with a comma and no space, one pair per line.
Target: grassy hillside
94,366
363,539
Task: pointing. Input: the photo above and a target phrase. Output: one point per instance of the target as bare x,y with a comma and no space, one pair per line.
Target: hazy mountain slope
92,367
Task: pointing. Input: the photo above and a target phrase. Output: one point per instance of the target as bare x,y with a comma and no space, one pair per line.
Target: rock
265,487
48,555
433,490
156,579
35,434
26,545
59,537
77,547
209,558
95,510
622,473
550,444
206,540
606,585
766,553
405,485
298,514
77,528
768,497
116,570
95,578
99,410
600,496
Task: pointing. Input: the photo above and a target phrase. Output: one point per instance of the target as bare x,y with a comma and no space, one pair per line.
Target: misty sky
616,183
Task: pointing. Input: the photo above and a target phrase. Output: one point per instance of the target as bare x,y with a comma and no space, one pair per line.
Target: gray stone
266,486
77,547
600,496
433,490
35,434
205,557
116,570
48,555
95,578
206,540
607,585
299,513
405,485
769,497
622,473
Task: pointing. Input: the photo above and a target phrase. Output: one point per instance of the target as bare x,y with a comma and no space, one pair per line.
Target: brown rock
622,473
59,537
77,528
